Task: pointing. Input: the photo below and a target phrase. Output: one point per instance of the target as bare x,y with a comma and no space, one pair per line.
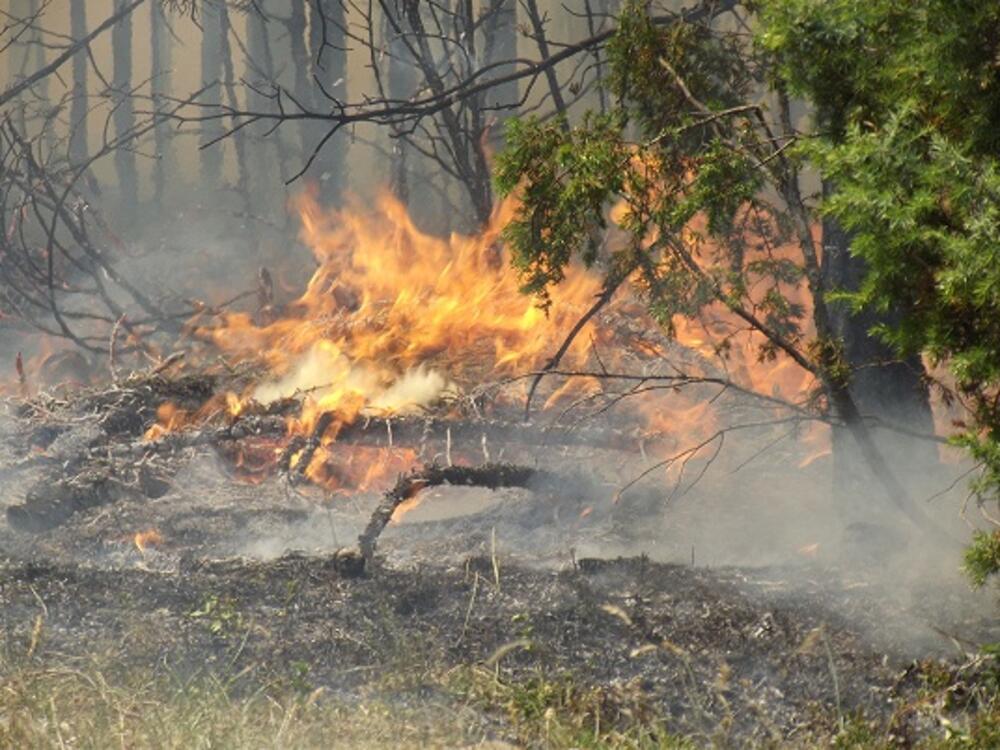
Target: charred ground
484,622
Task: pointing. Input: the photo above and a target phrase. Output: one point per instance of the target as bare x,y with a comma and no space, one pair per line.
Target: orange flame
169,418
146,539
394,321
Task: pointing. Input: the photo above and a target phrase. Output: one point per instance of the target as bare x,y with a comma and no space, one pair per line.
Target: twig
168,362
112,348
311,446
611,286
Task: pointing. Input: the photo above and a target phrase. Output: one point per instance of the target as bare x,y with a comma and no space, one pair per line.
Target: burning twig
310,447
611,286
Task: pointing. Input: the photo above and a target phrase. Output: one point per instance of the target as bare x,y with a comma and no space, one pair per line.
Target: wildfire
392,314
169,418
392,322
395,321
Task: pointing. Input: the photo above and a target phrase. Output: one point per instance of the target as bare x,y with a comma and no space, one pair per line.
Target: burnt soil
725,652
730,655
698,647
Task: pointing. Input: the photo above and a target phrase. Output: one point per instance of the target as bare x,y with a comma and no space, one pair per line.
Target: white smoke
324,371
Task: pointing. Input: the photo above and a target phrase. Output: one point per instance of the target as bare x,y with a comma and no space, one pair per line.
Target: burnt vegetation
598,374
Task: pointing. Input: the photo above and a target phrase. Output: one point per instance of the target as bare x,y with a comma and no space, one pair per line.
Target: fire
146,539
169,418
386,299
395,321
392,322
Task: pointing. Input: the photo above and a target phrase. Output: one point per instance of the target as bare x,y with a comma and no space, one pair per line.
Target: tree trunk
160,42
41,89
539,33
400,83
598,14
328,61
301,85
229,79
78,149
124,116
267,150
19,60
884,388
211,77
500,45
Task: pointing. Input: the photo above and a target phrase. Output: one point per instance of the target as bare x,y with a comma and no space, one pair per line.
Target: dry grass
71,708
96,706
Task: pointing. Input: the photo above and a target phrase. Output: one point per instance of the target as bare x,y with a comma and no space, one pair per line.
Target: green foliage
557,711
857,734
220,616
861,60
906,131
908,99
982,558
567,179
680,158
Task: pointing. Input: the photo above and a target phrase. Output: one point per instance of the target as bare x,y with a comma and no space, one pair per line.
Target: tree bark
500,32
269,158
301,85
541,41
401,81
43,104
884,388
211,78
19,60
124,116
160,45
328,63
78,137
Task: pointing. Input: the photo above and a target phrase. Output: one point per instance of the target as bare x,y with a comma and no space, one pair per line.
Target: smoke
325,372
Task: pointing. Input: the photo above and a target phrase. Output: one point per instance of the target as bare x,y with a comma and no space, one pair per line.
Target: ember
146,539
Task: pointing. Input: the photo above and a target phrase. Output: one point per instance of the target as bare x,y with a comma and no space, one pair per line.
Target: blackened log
410,431
310,447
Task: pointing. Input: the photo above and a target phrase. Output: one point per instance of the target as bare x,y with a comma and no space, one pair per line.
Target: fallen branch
413,431
491,476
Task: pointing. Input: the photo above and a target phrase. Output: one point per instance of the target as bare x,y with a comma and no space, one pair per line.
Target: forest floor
621,653
168,649
503,619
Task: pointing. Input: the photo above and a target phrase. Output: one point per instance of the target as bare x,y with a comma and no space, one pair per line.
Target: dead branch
611,286
491,476
309,448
